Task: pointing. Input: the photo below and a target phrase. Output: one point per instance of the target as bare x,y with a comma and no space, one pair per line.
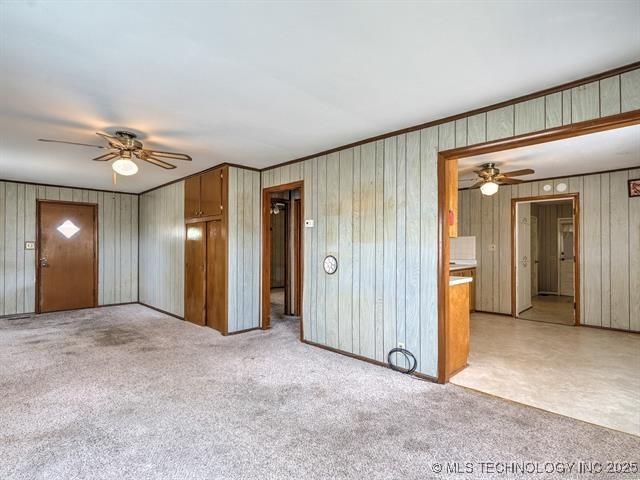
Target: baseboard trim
242,331
494,313
365,359
636,332
161,311
15,316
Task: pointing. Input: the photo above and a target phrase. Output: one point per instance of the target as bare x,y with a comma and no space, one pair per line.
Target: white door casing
523,265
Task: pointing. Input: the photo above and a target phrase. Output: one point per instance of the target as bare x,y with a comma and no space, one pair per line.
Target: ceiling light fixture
489,188
124,165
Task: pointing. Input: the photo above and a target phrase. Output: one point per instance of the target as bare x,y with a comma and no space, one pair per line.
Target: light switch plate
308,223
29,245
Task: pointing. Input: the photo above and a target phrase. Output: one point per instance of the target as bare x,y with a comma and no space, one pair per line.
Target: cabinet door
192,197
195,277
216,276
211,192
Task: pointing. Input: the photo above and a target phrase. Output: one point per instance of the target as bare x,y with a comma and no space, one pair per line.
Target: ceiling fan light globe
125,167
489,188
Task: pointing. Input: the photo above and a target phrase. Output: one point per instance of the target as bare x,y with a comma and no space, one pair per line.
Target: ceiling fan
491,178
124,146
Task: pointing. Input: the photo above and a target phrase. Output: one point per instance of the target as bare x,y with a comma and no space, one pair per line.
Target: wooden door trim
96,247
575,208
287,262
266,249
297,236
566,131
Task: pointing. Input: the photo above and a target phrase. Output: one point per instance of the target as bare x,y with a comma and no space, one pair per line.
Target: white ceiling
261,83
596,152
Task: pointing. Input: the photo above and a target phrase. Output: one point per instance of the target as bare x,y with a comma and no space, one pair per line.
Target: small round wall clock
330,264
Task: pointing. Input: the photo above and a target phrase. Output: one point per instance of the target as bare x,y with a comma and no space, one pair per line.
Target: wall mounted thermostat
330,264
29,245
308,223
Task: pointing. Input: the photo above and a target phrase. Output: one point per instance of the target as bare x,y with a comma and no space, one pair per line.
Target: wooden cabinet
457,350
195,255
192,197
211,193
206,249
470,272
204,194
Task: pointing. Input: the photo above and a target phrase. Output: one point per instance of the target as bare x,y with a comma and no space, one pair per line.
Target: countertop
462,264
459,280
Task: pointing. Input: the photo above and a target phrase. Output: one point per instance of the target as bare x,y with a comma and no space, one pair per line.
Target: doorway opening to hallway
546,254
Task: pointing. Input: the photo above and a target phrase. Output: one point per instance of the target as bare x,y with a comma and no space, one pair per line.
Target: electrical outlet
492,247
401,345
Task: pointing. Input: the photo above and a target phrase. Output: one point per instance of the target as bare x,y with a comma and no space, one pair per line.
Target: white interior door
534,256
565,256
523,265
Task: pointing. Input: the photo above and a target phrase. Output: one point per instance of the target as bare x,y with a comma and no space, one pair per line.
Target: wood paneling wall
162,248
118,243
609,246
244,265
375,207
375,210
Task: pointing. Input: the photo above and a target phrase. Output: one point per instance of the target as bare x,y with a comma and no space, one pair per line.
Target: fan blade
508,181
172,155
70,143
477,184
106,157
517,173
155,161
112,140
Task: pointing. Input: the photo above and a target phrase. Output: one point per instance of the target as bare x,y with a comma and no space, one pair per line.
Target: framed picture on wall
634,187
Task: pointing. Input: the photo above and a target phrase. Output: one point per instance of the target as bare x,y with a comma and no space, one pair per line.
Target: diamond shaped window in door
68,229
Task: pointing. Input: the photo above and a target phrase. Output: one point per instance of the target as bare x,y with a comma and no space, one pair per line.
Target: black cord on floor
410,359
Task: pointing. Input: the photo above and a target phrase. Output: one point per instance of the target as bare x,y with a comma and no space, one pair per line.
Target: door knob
44,262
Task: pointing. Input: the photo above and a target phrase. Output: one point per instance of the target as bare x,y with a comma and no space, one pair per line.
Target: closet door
192,197
195,273
211,193
216,276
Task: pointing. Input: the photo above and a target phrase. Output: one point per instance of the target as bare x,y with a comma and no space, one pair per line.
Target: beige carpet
585,373
129,393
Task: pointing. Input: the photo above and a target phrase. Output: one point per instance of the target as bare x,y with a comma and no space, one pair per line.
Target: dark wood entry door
67,256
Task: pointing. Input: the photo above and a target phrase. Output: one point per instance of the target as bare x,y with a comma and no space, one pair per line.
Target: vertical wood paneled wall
609,245
244,265
118,243
162,248
375,208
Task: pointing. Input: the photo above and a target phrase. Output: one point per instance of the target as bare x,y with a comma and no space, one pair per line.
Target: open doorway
577,197
545,277
282,252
